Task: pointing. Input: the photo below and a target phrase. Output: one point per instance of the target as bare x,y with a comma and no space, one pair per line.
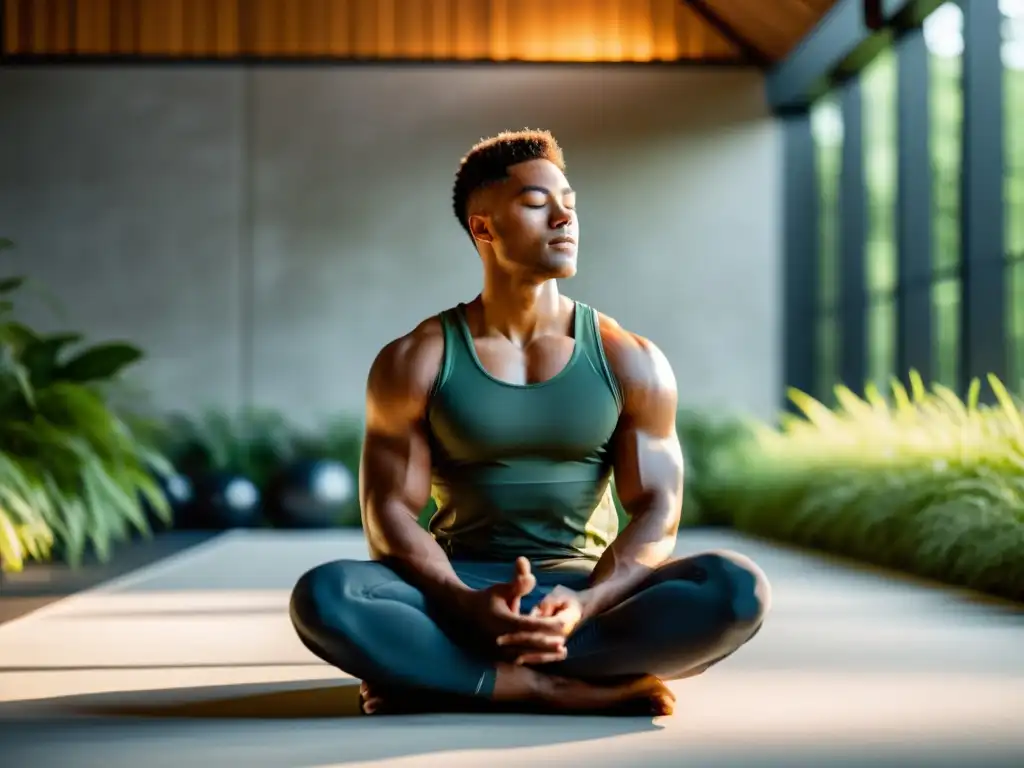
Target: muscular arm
648,467
394,473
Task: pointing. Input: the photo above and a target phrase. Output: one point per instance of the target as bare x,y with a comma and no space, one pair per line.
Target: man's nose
561,218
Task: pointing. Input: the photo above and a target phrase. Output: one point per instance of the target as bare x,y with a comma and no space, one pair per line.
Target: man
514,411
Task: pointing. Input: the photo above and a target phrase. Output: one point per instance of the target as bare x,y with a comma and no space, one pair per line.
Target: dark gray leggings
363,618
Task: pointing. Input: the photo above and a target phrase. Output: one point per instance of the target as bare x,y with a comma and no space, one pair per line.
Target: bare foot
523,685
513,684
375,699
368,699
648,693
518,683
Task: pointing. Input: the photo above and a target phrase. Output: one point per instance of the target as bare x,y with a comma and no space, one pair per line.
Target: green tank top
523,469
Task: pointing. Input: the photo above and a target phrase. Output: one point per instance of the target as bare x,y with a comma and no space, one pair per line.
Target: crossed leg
691,613
687,616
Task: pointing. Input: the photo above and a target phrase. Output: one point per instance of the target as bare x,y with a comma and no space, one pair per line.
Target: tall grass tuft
920,481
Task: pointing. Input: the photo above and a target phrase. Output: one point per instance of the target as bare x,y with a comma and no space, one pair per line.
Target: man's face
531,221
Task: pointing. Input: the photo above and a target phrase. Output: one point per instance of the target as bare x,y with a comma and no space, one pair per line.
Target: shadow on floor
250,702
304,700
277,724
40,584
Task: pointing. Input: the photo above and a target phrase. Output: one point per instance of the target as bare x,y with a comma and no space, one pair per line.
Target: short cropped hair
489,160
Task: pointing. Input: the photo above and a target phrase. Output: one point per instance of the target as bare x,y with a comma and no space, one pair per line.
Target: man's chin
560,267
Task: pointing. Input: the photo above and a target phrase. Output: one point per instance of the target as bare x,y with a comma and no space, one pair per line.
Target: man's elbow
661,507
385,526
374,529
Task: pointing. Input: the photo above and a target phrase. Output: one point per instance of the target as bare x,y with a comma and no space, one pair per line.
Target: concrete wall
263,233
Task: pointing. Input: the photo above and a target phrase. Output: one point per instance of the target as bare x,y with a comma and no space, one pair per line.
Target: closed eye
536,197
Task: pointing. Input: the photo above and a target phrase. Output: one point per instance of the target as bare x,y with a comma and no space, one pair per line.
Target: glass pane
1013,64
827,333
879,83
827,126
882,341
943,34
1015,324
946,323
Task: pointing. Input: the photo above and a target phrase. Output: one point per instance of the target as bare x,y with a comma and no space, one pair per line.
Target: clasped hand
537,637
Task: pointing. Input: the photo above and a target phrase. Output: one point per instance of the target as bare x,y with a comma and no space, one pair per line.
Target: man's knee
319,597
749,592
742,589
743,600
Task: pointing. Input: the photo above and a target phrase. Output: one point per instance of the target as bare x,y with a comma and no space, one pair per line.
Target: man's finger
523,585
548,606
542,658
533,639
522,582
525,580
547,625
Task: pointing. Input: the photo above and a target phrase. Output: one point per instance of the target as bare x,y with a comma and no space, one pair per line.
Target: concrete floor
42,583
193,659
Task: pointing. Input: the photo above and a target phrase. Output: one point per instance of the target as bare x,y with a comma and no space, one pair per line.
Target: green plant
339,439
708,438
254,442
73,475
923,482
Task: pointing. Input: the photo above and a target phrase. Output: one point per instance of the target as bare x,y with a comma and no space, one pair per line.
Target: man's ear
480,229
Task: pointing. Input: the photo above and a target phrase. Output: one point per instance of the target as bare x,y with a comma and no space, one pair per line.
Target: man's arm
394,472
648,469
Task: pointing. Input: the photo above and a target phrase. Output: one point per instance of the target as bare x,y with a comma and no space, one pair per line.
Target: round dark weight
179,492
318,493
225,500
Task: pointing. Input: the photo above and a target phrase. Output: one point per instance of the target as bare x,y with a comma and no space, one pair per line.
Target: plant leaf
103,361
12,554
41,356
17,335
10,284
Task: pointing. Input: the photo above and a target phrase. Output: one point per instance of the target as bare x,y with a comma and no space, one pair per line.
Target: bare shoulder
637,362
403,372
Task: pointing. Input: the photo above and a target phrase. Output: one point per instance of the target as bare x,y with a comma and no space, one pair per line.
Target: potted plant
73,475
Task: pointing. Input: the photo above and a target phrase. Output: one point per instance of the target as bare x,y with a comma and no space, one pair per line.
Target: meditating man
514,411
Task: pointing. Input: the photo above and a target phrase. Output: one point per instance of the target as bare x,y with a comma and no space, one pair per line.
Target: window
827,127
946,329
880,177
879,82
1013,81
941,283
943,34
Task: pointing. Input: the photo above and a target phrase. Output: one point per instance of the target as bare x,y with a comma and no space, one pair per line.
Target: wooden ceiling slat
710,16
42,21
337,32
472,27
637,33
61,31
12,25
412,28
701,40
92,30
526,30
663,21
773,27
227,30
124,16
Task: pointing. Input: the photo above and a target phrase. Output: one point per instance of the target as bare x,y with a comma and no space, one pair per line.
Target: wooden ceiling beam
838,44
752,52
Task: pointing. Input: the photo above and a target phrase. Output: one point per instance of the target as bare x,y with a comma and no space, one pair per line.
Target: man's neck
522,311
